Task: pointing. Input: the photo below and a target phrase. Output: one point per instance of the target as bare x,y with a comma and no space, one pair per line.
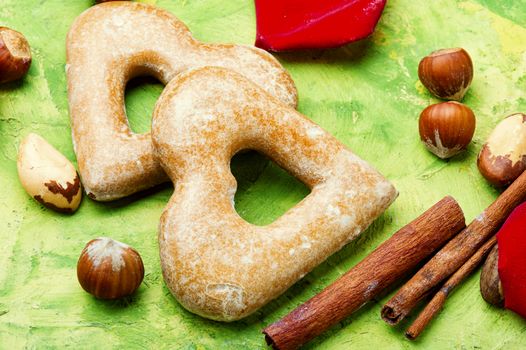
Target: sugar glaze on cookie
215,263
113,42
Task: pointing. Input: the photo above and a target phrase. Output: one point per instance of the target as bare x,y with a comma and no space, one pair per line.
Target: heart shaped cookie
215,263
111,43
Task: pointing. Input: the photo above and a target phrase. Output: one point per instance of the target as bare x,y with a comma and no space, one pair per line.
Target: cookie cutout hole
140,97
265,191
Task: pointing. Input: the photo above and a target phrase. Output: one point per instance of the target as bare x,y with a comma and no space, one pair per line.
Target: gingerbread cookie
215,263
111,43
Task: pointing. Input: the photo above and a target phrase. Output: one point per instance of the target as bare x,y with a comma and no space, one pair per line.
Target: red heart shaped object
512,260
305,24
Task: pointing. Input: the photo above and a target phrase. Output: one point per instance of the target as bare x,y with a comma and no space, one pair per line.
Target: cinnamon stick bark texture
435,305
380,269
455,253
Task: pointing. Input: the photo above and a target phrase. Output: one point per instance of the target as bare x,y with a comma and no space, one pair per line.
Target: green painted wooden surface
366,94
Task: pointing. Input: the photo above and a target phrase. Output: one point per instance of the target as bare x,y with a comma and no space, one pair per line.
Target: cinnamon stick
455,253
435,305
384,266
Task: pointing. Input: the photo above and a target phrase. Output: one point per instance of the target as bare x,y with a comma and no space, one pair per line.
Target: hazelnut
109,269
447,73
503,156
490,285
15,55
47,175
446,128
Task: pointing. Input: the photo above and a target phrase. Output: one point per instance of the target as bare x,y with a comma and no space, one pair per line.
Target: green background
367,94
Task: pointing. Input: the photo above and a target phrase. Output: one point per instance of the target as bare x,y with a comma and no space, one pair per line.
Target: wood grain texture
455,256
366,94
386,265
439,299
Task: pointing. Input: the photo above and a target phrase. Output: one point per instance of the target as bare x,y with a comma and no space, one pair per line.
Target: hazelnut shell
15,55
447,73
446,128
109,269
490,285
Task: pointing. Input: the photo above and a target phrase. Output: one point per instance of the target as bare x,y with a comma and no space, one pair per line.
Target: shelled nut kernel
47,175
503,156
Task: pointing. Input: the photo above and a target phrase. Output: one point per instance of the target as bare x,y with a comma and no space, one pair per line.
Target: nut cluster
447,128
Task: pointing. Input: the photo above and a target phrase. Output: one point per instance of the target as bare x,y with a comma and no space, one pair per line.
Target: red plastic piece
512,260
305,24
